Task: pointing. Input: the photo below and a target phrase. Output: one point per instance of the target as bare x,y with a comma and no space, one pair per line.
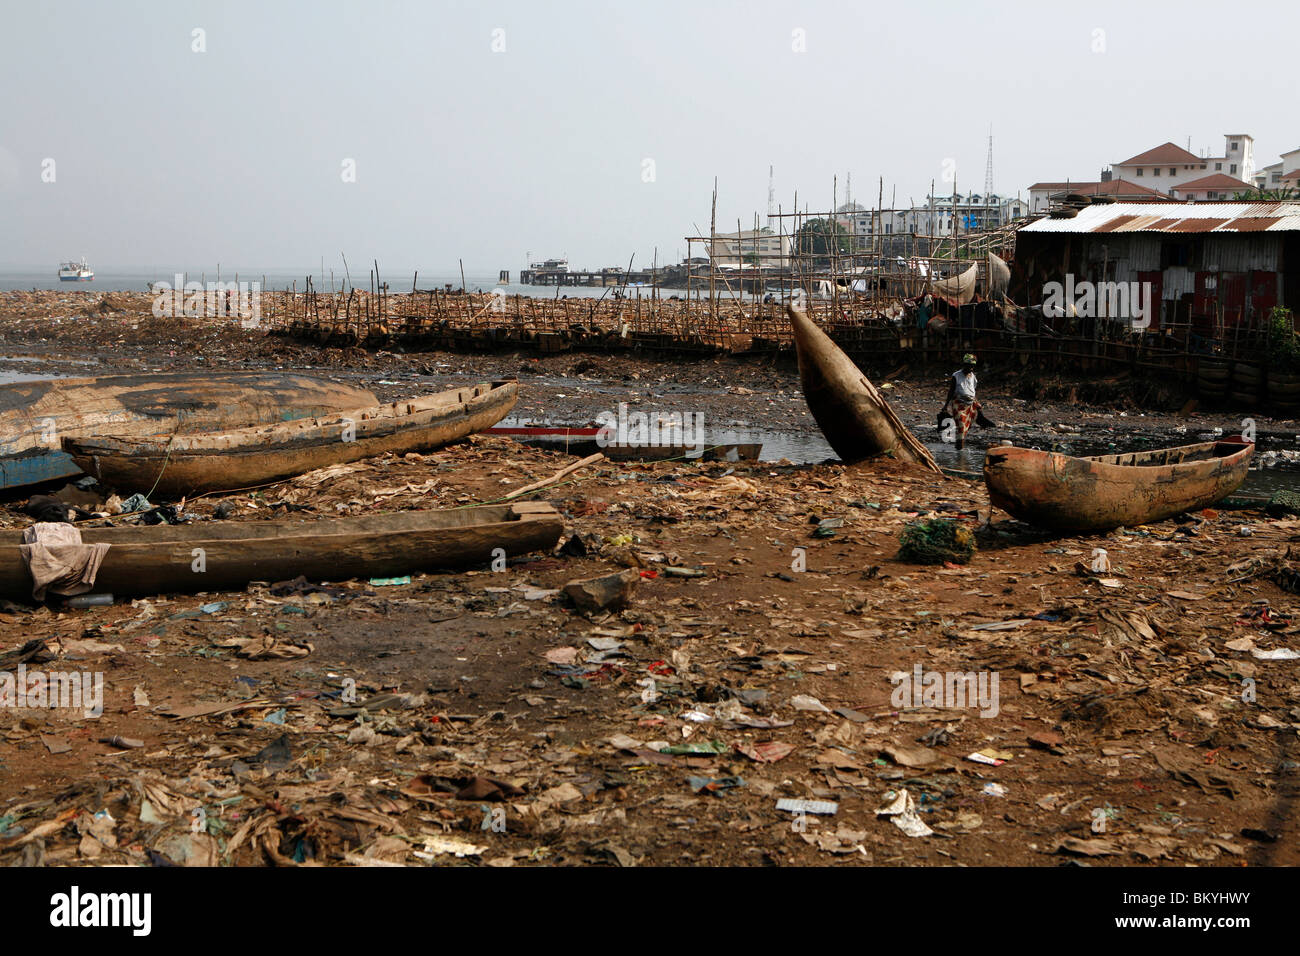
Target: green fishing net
936,541
1283,503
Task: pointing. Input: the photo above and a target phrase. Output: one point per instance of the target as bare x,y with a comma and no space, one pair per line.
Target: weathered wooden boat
1063,493
852,414
36,415
245,457
585,440
217,555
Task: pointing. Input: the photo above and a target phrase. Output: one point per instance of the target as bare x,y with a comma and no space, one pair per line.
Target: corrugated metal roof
1186,218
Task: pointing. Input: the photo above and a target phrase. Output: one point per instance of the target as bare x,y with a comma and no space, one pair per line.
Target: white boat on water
76,271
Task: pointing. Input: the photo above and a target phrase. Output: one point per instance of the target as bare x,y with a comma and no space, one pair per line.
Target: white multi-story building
1013,209
1168,166
1214,186
1167,171
940,216
750,247
1281,175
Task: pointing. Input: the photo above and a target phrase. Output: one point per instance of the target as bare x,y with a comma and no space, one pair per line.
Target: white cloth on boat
58,560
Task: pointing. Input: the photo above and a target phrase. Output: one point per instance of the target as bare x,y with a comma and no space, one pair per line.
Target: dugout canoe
1063,493
246,457
220,555
35,416
852,414
586,440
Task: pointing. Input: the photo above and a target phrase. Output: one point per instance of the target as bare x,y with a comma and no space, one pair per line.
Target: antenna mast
771,195
988,172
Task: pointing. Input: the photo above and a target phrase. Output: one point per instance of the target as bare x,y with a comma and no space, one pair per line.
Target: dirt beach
1141,715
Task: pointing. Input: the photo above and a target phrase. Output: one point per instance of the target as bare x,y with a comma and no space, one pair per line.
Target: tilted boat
1062,493
217,555
246,457
856,420
35,416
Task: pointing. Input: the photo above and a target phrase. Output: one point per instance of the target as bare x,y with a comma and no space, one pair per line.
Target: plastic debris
900,807
824,808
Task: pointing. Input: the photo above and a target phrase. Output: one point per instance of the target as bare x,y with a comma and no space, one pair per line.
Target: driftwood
562,473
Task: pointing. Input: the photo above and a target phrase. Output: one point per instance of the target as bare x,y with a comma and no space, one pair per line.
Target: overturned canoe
246,457
218,555
856,420
1110,491
35,416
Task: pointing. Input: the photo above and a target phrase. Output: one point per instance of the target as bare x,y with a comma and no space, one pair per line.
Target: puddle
8,378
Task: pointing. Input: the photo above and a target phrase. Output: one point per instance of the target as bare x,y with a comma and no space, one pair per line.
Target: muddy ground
1142,714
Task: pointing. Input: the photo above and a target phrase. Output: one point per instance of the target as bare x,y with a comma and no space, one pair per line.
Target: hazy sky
165,157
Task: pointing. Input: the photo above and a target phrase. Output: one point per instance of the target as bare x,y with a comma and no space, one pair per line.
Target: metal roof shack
1201,217
1209,266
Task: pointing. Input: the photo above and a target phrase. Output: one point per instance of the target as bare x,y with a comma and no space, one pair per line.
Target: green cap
968,359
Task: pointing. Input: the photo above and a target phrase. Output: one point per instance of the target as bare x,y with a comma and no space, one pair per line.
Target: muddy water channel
779,421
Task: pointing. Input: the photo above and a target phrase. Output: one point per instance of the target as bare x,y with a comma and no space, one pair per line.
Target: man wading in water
961,409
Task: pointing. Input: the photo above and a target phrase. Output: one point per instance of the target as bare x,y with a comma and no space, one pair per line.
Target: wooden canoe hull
36,416
246,457
725,452
856,420
1063,493
214,556
584,442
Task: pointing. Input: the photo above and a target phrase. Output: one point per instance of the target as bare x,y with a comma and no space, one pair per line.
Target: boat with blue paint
35,416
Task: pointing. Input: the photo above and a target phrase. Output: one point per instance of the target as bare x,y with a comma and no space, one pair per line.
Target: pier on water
597,278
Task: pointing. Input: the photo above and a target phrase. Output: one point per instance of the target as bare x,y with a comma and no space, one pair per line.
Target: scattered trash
824,808
900,807
436,846
89,600
1277,654
827,527
769,752
135,503
716,786
807,703
699,747
676,572
990,756
910,756
605,592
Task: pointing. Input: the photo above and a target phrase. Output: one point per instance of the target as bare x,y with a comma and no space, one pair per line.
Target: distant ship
76,272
